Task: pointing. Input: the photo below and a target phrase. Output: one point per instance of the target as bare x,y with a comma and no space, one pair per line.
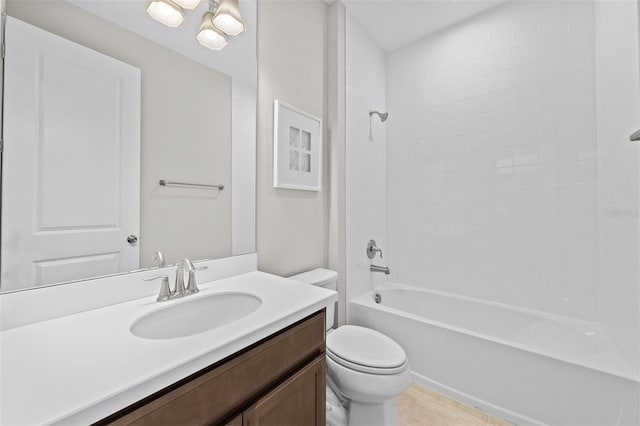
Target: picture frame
297,148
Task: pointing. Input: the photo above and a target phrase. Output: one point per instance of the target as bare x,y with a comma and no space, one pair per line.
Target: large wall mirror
100,104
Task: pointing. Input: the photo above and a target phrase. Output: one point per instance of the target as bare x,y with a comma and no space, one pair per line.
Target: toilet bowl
368,369
364,367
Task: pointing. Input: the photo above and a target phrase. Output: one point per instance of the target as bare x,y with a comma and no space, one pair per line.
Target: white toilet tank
323,278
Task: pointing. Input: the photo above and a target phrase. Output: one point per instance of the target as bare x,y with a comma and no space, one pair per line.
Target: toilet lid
364,347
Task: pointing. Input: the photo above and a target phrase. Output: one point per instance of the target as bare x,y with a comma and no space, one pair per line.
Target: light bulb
166,12
227,18
209,36
187,4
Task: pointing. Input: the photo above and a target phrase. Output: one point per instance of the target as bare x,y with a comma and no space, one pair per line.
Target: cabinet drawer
217,392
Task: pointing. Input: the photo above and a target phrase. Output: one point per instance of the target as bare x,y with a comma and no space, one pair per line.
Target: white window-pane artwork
306,141
305,165
297,149
294,137
294,160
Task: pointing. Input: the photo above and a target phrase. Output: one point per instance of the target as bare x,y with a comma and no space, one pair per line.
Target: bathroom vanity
89,367
100,348
280,380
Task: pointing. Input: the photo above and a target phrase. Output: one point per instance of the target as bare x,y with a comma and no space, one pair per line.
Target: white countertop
80,368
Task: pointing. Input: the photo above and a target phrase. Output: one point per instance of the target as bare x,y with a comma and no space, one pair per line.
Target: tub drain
377,298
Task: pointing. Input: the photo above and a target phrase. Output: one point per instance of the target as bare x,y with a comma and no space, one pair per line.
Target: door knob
132,239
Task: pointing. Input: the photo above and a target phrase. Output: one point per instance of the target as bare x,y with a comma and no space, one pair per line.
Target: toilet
365,368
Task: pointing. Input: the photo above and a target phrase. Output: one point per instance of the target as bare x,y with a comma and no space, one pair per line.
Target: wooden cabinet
236,421
295,402
278,381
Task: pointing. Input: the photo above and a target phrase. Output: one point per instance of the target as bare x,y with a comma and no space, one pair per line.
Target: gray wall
292,234
183,102
301,56
336,123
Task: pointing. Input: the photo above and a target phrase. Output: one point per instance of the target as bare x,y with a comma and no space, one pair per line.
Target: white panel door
71,161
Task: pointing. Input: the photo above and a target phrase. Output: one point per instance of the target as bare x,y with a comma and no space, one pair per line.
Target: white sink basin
195,316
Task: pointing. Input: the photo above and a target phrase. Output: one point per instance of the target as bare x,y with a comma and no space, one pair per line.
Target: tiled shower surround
366,167
494,181
492,171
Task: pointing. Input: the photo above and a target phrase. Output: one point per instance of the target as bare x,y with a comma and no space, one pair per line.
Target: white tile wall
492,158
509,176
618,160
366,163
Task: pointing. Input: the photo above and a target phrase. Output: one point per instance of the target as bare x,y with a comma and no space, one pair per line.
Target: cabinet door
299,401
236,421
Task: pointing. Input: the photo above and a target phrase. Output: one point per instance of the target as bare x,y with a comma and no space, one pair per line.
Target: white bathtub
524,366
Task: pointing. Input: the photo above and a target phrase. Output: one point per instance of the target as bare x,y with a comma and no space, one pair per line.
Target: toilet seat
366,351
366,368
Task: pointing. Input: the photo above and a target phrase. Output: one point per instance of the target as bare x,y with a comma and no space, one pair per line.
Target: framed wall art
297,149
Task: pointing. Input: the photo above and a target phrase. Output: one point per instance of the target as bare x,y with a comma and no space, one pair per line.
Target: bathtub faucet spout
376,268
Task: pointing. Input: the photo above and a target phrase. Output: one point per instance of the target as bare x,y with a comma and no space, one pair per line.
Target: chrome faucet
376,268
372,249
192,285
179,290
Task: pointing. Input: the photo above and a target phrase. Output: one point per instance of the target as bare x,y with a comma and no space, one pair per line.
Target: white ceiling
396,23
391,23
237,59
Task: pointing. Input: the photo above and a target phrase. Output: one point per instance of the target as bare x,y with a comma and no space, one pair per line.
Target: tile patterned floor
421,407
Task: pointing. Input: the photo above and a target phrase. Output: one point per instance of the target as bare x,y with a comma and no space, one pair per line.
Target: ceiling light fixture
208,35
227,18
221,20
166,12
187,4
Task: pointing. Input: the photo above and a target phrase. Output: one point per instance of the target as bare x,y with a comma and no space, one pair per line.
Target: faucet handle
192,284
165,290
372,249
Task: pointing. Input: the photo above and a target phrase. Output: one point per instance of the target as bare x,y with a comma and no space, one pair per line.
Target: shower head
383,115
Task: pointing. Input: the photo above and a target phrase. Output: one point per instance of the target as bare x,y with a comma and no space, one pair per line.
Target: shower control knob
132,239
372,249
